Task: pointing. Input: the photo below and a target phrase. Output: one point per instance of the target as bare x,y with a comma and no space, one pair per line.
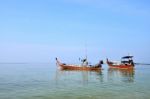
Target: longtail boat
126,63
87,67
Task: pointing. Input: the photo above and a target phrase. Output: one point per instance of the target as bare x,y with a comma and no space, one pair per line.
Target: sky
40,30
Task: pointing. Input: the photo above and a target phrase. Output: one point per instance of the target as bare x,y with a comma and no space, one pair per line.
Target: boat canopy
127,57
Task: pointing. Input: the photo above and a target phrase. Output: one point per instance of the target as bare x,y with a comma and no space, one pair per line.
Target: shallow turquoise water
45,81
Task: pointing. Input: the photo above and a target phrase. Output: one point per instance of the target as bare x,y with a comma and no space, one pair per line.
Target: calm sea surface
45,81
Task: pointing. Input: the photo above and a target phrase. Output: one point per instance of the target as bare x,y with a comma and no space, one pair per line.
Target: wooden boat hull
121,66
67,67
76,67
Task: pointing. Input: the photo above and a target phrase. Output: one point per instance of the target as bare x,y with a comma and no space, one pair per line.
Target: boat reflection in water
123,75
78,76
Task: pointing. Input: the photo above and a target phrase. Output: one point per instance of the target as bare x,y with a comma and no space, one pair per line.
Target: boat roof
127,57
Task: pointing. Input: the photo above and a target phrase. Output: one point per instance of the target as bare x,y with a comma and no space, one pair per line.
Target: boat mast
85,51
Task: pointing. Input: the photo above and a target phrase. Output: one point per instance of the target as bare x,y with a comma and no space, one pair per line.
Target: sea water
46,81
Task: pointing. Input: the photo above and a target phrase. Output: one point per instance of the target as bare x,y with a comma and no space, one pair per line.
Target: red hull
76,67
121,66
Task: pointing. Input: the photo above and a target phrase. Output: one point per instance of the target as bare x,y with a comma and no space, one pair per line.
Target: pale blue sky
40,30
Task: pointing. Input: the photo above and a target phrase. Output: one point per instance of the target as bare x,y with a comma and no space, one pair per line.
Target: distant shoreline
13,63
142,64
